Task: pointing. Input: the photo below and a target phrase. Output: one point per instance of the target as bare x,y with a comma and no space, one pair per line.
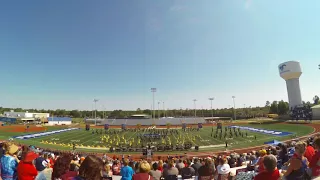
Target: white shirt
223,169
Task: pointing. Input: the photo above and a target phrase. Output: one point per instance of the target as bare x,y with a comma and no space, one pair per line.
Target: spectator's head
180,160
270,162
155,166
125,162
131,164
107,168
316,143
10,149
61,165
144,167
262,152
300,148
91,168
28,157
188,163
171,164
160,164
223,160
82,159
196,160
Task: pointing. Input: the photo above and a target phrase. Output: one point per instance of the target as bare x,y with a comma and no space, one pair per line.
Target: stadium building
316,112
59,121
24,116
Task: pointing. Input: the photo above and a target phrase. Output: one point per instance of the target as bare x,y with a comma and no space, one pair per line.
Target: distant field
86,141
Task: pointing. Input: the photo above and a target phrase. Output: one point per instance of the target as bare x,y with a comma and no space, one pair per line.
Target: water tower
291,71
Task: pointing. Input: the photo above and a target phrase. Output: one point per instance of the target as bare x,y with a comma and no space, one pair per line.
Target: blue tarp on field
273,142
265,131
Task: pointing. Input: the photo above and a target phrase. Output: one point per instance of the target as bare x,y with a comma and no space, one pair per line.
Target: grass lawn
202,138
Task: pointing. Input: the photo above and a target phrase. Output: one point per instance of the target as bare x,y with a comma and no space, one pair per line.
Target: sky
63,54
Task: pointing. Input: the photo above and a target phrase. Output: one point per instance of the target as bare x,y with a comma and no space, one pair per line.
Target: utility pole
211,99
158,110
95,110
153,90
164,112
234,108
195,108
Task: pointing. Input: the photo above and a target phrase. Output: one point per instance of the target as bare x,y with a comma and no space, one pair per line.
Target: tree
138,111
267,104
274,107
316,100
283,107
147,111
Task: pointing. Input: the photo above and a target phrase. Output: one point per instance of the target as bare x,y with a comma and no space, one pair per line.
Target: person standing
26,170
9,162
126,171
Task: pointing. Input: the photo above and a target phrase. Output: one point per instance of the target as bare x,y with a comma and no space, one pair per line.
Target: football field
206,138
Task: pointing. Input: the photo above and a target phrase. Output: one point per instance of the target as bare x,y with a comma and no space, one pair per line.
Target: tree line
276,107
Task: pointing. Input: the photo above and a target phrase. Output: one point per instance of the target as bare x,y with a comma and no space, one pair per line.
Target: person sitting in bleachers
271,172
297,164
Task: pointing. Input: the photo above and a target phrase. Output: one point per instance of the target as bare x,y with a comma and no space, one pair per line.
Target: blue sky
62,54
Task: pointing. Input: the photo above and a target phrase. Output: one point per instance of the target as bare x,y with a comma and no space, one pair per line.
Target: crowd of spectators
303,112
296,160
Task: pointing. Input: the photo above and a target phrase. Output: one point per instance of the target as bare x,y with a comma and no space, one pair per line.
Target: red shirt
142,176
309,153
314,164
266,175
26,171
69,175
261,166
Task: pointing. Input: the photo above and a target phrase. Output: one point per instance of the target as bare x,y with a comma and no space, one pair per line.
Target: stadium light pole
195,108
211,99
159,110
164,112
234,108
95,111
153,90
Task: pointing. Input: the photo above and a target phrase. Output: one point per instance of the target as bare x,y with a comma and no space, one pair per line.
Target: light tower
291,71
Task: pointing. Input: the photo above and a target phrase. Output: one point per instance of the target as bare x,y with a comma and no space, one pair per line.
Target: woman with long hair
223,169
61,168
90,169
206,171
297,166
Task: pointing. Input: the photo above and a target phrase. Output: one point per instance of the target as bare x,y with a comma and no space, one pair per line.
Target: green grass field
86,141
